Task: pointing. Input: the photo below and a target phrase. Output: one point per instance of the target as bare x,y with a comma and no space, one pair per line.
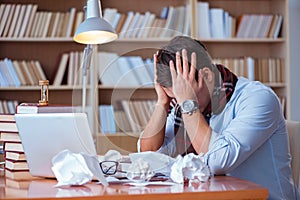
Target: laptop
44,135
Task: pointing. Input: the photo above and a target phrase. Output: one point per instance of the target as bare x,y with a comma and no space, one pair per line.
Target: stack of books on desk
16,166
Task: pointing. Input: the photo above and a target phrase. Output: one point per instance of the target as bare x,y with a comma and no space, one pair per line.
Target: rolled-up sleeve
246,123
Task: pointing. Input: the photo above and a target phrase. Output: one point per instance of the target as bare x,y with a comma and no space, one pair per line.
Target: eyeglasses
110,167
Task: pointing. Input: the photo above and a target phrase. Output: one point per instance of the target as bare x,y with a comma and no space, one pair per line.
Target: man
204,108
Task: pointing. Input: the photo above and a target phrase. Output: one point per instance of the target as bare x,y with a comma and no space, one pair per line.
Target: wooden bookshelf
49,49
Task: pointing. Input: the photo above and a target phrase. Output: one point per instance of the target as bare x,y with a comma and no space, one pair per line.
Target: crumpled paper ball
191,167
139,171
76,168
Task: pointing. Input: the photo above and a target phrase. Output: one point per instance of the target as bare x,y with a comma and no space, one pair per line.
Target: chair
293,128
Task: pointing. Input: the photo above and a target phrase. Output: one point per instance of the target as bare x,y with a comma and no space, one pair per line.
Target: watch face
187,106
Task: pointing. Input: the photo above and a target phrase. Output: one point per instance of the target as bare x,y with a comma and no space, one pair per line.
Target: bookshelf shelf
48,50
150,40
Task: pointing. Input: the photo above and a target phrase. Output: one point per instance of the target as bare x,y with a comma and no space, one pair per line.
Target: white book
130,31
43,24
5,79
128,20
46,23
2,8
38,23
31,19
267,20
129,75
188,18
181,20
26,20
71,69
250,68
278,26
109,68
19,72
203,26
140,70
5,12
143,24
40,70
20,20
148,26
107,119
227,25
8,20
55,24
255,26
243,25
14,20
169,29
61,69
216,16
70,22
12,72
116,20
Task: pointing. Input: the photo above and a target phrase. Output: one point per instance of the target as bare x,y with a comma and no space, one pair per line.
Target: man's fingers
193,65
178,63
185,62
173,71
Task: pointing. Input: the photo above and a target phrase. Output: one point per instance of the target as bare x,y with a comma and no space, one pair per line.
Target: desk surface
219,187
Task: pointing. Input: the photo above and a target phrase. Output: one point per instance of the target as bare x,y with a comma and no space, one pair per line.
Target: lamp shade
94,29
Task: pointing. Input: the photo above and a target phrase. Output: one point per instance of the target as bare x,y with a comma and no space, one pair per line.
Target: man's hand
185,85
163,98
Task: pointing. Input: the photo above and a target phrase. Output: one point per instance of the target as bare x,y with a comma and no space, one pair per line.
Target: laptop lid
44,135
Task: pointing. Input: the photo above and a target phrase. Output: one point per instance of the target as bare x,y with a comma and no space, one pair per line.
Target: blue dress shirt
249,140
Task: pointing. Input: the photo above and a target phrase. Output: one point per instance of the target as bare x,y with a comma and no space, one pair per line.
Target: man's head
168,53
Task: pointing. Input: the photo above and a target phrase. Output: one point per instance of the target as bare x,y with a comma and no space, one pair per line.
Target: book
13,146
6,118
46,24
203,23
14,155
36,108
14,20
55,24
61,69
70,22
16,165
19,175
12,72
127,22
107,119
8,126
30,20
9,19
21,73
5,12
20,20
26,72
109,69
25,20
9,136
216,16
39,70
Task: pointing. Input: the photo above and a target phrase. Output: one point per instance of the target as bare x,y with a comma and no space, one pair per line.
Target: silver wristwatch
189,106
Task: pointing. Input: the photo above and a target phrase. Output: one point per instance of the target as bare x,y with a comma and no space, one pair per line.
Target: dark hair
167,53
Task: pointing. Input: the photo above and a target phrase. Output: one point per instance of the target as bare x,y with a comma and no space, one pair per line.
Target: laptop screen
44,135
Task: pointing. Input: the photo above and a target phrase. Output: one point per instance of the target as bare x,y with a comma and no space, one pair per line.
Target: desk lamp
92,31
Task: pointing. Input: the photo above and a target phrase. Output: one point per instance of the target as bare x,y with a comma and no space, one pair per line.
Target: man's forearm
154,133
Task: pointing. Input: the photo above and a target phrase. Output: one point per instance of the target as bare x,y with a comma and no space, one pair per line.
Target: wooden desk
219,187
